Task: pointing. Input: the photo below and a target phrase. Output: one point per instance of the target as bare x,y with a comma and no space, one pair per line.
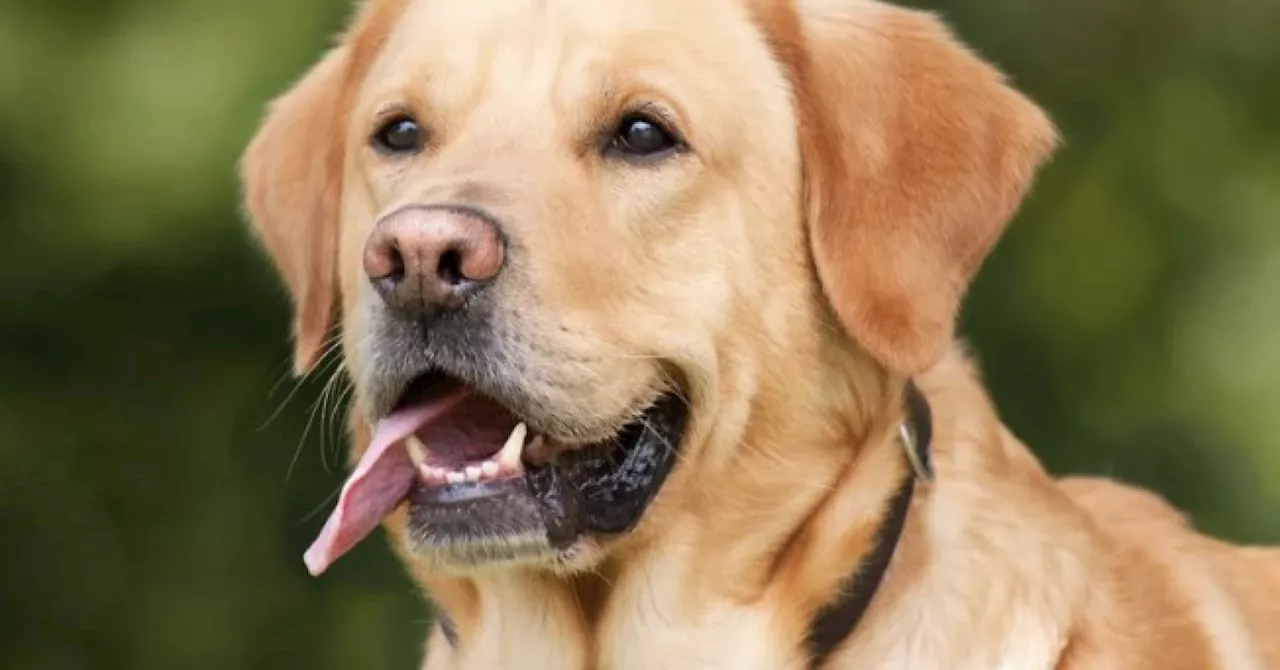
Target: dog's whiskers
671,449
320,507
330,407
339,409
331,345
324,366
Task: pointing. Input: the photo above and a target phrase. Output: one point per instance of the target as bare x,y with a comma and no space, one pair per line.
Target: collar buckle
911,447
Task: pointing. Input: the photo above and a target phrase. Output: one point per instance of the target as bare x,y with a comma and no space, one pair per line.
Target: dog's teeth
509,457
417,451
489,468
473,473
455,477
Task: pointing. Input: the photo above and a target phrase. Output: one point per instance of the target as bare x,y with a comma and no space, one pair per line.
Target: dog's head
574,244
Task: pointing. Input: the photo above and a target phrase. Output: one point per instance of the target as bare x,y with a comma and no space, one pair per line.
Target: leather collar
837,619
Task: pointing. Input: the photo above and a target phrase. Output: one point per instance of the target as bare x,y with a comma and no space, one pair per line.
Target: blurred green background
152,517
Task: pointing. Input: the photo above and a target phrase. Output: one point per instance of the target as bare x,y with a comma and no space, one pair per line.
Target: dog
649,310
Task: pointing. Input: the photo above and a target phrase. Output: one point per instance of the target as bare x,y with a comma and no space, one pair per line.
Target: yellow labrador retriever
649,310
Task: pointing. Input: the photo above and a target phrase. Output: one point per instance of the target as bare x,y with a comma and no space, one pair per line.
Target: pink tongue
379,482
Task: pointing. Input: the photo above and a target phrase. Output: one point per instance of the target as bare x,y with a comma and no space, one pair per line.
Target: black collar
837,619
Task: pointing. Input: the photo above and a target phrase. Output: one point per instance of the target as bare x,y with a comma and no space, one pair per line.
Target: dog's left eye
401,135
641,137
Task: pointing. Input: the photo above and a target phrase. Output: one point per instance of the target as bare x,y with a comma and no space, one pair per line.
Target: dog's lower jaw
483,555
529,552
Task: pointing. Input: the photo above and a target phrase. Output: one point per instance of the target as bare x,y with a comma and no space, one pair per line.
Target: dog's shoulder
1117,505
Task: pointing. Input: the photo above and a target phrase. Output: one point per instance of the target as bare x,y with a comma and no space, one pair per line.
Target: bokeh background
160,474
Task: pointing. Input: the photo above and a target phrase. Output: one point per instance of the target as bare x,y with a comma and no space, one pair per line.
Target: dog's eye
641,137
401,135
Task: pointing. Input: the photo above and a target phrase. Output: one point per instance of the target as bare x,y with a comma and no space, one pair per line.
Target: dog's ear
916,155
291,174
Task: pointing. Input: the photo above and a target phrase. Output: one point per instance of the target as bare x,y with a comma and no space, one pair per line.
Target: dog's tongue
379,482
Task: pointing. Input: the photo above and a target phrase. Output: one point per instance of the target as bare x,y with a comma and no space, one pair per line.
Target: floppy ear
916,153
292,178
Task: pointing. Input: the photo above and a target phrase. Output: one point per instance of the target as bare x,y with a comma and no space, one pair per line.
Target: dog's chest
721,636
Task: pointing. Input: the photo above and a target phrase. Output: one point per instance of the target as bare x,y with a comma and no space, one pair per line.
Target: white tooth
417,452
425,471
473,473
510,454
455,477
489,468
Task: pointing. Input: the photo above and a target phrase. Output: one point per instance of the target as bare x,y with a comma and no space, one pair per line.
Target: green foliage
154,517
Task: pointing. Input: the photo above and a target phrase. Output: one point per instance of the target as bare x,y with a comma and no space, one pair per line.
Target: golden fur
851,167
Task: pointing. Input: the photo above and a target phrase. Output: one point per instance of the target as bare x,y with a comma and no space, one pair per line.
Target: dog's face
572,241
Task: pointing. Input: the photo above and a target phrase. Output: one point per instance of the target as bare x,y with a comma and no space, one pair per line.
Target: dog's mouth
482,488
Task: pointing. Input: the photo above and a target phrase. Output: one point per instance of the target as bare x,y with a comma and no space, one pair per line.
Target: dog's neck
769,476
842,613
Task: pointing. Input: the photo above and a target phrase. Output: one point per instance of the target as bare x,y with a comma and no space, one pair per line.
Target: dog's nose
429,258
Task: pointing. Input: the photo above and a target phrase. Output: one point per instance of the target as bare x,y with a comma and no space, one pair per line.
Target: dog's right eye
639,137
401,135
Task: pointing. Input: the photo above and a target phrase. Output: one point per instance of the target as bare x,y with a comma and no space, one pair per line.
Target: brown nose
431,258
